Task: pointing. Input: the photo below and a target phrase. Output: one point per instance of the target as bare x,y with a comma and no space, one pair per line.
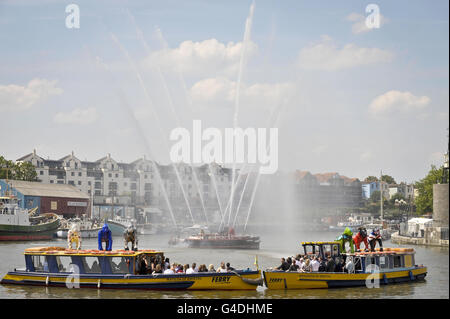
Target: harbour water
276,242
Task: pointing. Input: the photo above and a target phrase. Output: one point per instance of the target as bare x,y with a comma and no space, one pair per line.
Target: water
275,243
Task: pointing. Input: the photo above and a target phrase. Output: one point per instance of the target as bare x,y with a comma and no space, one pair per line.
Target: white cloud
18,98
359,25
325,55
77,116
205,58
393,100
220,92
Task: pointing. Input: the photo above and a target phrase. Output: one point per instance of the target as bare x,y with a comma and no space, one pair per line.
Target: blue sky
350,100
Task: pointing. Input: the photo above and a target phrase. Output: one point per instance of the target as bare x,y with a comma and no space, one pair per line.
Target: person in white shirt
170,270
315,264
191,270
222,267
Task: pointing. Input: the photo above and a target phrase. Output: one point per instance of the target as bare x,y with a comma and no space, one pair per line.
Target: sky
345,98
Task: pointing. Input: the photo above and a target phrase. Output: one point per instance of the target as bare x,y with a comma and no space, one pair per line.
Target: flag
256,262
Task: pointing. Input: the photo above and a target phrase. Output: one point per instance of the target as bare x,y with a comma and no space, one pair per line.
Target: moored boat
391,265
22,224
117,269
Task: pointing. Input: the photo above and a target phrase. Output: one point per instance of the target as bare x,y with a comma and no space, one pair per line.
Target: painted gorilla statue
130,235
361,237
104,235
347,236
74,235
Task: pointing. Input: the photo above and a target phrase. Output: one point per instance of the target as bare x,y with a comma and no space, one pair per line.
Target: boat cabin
322,249
61,260
389,258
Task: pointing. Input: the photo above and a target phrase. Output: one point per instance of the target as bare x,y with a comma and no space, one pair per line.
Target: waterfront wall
440,205
432,238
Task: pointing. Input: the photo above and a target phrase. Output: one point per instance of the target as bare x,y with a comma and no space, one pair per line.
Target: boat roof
319,242
62,251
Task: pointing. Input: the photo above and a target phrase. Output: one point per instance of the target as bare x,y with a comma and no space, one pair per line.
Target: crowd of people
155,265
313,263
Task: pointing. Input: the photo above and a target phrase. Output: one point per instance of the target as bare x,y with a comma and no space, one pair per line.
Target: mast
381,193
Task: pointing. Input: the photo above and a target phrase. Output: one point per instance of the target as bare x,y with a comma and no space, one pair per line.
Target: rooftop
49,190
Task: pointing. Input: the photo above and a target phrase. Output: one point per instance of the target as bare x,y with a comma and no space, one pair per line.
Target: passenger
300,263
185,268
315,264
306,266
194,266
167,263
289,261
330,264
202,268
339,267
322,265
191,270
123,266
143,266
229,268
294,267
158,269
284,265
222,267
170,270
211,268
179,269
375,237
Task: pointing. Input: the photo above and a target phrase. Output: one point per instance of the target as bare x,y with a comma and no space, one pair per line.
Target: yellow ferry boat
391,265
117,269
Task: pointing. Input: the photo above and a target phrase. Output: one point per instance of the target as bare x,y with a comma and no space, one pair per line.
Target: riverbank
426,241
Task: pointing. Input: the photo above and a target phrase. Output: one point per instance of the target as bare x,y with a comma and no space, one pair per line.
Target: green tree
25,171
424,201
375,197
6,168
19,171
370,179
388,179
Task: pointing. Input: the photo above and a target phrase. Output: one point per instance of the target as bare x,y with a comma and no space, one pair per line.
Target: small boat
392,265
118,225
117,269
17,223
223,241
87,229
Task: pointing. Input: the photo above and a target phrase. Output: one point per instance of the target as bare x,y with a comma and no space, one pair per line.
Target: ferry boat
394,265
17,223
117,269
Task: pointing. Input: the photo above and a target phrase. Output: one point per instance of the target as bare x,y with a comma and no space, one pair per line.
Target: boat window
119,265
370,261
91,265
397,261
326,250
335,250
64,263
384,262
358,264
40,263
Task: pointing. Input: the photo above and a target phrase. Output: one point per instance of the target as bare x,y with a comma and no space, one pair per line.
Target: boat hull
198,281
32,232
117,229
85,233
296,280
222,243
